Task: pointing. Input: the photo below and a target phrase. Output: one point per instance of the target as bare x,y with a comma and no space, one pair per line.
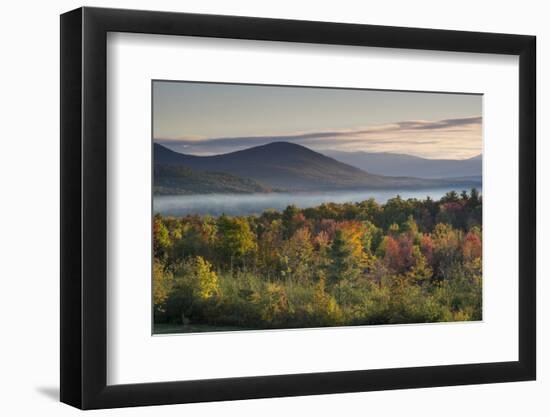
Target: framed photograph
257,208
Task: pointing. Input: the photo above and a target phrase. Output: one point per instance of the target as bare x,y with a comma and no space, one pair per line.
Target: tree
398,253
325,307
474,208
450,197
391,253
420,270
410,227
452,213
472,244
274,304
204,281
393,229
475,199
372,237
195,285
297,255
427,247
290,221
343,264
197,237
235,239
356,235
369,210
268,244
447,250
162,284
161,238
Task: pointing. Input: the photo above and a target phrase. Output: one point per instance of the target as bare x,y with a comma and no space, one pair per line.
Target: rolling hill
179,180
291,167
398,165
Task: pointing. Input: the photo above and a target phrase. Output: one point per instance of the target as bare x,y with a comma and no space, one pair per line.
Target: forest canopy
405,261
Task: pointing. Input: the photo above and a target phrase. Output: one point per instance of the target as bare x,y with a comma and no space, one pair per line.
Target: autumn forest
365,263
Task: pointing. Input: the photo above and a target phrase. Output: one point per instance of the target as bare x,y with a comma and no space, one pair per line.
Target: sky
212,118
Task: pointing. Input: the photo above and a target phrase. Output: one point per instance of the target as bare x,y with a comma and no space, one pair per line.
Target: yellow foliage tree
162,284
204,279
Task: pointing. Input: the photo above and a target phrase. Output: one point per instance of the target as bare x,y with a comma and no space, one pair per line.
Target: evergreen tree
289,226
343,266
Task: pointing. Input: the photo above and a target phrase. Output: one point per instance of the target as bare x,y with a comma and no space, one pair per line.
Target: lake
246,204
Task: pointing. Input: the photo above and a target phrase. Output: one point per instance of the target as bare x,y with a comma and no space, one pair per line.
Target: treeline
405,261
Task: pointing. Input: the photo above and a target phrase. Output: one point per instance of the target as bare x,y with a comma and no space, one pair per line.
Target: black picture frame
84,207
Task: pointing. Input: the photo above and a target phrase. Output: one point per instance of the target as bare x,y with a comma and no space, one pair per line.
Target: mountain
393,164
291,167
178,180
278,164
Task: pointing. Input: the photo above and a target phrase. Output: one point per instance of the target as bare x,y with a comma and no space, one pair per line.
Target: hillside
397,165
291,167
178,180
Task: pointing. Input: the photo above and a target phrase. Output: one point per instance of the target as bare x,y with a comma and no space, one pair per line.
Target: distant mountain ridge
397,165
287,166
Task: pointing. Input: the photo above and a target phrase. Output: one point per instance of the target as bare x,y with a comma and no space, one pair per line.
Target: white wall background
29,225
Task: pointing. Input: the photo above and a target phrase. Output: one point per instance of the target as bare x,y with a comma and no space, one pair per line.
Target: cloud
450,138
441,124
